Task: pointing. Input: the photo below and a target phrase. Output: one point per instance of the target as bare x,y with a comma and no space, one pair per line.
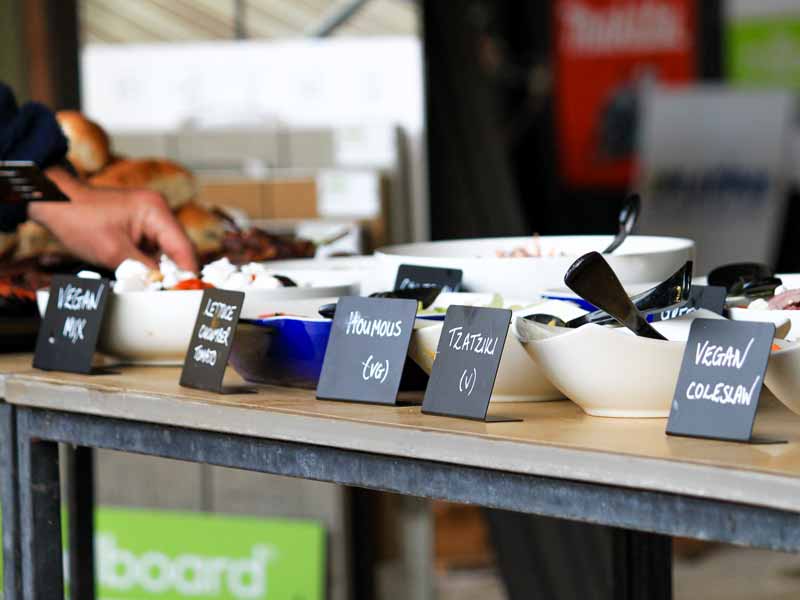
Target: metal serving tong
670,293
745,282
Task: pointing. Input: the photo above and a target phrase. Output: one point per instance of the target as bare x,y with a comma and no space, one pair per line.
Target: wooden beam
51,46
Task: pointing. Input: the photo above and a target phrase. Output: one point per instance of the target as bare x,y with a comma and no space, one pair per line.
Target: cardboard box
245,194
357,195
290,199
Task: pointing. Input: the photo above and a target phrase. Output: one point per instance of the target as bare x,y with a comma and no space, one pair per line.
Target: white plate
640,259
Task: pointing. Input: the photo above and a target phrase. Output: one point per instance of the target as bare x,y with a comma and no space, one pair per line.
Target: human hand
105,226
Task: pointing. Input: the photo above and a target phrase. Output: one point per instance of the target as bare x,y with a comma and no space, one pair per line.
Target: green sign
161,555
763,50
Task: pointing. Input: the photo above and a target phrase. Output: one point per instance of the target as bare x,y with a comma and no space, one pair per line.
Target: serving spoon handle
627,220
592,278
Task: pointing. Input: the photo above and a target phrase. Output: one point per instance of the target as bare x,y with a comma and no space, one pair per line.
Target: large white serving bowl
154,328
519,379
639,259
362,269
609,373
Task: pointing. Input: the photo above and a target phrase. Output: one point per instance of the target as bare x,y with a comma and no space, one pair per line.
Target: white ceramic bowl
362,269
155,327
519,379
609,373
791,281
640,259
785,326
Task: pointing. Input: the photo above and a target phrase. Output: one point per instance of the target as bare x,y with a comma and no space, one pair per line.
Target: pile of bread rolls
91,155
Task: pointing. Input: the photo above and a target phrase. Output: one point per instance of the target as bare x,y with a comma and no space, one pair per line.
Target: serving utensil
670,293
745,282
627,220
592,278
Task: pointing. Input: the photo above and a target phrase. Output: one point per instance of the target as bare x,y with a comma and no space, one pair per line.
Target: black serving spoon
627,220
424,295
670,293
593,279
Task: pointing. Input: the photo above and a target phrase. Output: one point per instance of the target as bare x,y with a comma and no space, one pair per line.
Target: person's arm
106,226
29,133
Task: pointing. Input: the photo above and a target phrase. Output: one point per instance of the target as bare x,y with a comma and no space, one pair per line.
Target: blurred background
415,120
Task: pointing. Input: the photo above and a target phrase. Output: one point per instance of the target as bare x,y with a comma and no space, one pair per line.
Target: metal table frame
646,519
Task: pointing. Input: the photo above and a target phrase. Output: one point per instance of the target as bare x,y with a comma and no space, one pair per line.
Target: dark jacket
27,132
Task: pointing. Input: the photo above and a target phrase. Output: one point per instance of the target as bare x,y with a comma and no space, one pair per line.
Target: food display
33,250
134,276
533,250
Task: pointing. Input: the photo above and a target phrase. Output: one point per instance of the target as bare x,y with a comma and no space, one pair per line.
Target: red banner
606,52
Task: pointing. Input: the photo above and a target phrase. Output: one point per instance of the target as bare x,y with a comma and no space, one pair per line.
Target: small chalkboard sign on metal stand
367,350
67,337
211,342
411,277
467,359
720,381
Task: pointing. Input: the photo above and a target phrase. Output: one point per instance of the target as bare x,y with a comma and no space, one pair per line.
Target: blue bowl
285,351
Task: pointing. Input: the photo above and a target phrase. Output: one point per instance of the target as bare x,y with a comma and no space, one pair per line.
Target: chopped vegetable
192,284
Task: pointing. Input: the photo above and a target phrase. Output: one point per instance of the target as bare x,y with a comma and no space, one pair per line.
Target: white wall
300,83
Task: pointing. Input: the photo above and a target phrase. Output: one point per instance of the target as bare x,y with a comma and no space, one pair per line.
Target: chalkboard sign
23,181
710,297
416,276
68,334
367,350
467,358
212,339
720,379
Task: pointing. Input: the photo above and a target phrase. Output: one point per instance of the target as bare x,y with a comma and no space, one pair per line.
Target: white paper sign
713,168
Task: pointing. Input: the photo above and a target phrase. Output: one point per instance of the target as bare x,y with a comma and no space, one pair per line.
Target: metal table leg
39,515
79,491
539,556
12,585
642,566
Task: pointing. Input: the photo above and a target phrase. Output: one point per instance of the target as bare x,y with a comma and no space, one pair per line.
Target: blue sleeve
29,132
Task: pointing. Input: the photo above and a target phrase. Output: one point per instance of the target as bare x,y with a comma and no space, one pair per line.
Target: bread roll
175,183
204,228
35,241
89,148
8,243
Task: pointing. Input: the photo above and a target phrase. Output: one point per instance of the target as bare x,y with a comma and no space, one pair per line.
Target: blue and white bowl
281,350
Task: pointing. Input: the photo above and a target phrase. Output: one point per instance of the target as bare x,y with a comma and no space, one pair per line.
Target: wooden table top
555,439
